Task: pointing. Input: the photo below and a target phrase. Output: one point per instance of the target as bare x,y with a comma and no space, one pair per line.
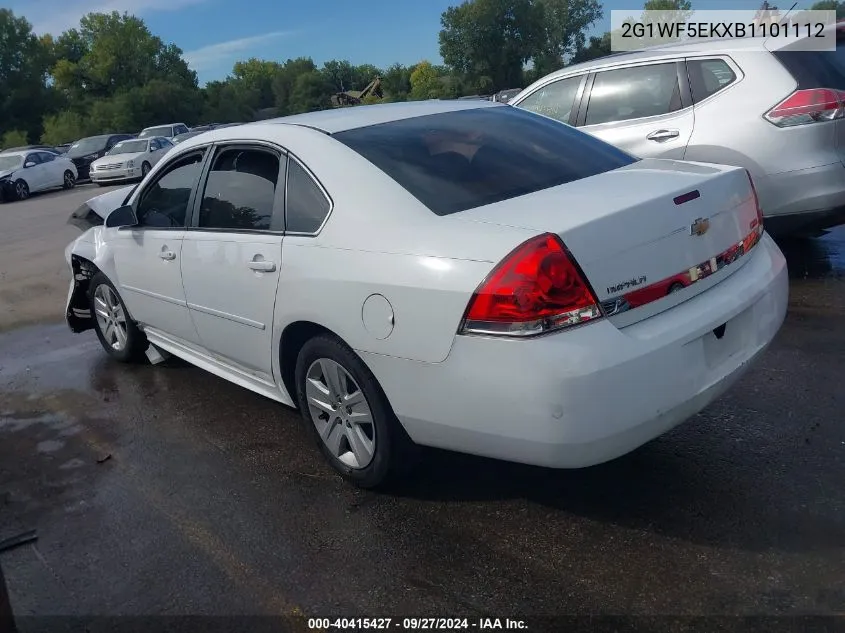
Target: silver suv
780,114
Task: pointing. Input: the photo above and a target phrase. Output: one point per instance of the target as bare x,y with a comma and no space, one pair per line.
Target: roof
342,119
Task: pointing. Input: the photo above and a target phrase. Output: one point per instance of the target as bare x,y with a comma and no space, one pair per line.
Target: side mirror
122,216
28,164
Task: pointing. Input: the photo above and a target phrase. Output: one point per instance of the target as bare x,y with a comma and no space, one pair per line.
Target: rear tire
348,414
118,333
69,181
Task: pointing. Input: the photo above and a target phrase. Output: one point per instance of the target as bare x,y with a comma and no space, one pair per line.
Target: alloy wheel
70,181
22,190
110,317
341,413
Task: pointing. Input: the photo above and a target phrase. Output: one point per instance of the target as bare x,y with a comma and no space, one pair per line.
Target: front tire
348,414
69,181
145,169
118,333
21,190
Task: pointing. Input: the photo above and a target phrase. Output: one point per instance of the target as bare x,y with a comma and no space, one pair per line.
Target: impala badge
699,227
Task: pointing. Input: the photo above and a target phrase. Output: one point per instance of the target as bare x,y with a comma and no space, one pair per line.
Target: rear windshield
464,159
815,69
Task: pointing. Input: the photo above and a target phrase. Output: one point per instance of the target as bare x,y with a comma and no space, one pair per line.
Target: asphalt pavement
165,490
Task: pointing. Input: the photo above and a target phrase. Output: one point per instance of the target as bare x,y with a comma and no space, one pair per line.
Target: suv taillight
808,106
537,288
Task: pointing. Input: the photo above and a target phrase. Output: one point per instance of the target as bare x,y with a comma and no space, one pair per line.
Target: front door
640,109
148,256
34,174
232,256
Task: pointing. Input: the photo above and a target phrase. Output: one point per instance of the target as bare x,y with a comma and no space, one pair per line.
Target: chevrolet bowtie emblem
699,227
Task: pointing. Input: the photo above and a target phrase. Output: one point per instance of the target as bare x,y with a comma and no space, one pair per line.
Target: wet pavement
165,490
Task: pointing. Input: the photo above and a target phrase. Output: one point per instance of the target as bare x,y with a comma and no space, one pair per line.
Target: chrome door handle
663,135
262,266
168,255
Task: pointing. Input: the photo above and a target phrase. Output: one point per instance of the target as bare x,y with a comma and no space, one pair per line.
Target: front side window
458,160
554,100
240,190
32,158
306,206
708,76
165,203
634,93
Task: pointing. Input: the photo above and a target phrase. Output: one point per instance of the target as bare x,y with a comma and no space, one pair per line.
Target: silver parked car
780,114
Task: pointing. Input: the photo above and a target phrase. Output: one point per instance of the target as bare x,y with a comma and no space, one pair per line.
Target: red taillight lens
808,106
535,289
759,223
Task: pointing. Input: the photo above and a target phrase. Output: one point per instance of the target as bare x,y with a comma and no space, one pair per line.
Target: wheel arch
292,339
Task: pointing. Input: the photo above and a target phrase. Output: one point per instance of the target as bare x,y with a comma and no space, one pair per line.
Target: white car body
393,280
39,170
167,130
129,159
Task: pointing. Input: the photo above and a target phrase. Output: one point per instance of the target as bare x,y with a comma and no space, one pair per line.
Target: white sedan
129,159
26,172
464,275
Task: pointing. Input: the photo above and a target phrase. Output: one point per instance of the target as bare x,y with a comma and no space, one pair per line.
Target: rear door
232,255
53,171
645,109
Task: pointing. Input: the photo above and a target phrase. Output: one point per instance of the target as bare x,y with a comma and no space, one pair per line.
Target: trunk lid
644,232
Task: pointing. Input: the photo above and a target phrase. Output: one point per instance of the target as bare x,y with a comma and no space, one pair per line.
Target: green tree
285,81
13,138
63,127
228,102
563,25
340,74
425,82
24,61
311,91
667,5
830,5
111,53
396,83
493,38
256,77
597,47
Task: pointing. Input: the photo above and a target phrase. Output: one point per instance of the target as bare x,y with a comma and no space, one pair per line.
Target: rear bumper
585,396
805,199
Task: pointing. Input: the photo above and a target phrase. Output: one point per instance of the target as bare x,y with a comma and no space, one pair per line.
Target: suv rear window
460,160
815,69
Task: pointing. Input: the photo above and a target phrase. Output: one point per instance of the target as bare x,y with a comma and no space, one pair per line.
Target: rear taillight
808,106
536,289
759,223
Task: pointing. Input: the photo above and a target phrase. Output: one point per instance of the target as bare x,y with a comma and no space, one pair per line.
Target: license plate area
728,339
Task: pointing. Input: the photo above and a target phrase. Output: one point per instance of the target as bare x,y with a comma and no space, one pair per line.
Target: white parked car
509,286
168,131
129,159
24,173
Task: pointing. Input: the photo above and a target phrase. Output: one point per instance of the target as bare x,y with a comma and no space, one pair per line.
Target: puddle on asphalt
816,258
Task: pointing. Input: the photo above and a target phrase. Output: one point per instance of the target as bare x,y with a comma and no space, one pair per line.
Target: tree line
111,74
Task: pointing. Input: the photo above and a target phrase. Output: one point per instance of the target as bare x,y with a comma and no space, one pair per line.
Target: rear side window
815,69
306,206
708,76
634,93
460,160
554,100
